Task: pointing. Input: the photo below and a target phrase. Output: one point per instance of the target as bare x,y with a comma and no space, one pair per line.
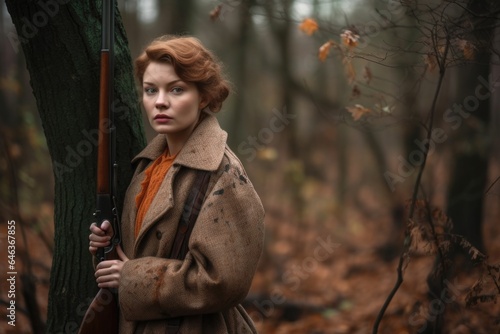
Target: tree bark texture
61,43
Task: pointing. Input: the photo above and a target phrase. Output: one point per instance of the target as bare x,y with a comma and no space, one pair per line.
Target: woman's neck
174,147
176,141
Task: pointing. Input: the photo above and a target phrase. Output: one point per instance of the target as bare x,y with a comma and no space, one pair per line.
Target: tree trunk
471,147
242,40
61,43
282,30
469,166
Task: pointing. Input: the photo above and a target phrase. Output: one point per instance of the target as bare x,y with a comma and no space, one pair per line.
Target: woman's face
172,105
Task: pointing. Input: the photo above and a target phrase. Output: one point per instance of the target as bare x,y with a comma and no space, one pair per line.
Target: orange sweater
150,185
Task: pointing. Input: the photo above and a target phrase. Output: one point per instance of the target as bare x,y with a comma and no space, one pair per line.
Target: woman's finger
121,254
98,238
98,244
104,229
106,226
108,285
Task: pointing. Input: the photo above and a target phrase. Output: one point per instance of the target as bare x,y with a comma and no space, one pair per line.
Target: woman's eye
149,90
177,90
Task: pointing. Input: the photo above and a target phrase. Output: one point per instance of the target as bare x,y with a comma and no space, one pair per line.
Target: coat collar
203,150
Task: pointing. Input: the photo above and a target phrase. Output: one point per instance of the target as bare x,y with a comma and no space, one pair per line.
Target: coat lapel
205,147
203,150
162,203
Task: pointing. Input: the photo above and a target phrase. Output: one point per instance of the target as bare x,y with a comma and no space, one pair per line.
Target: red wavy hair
192,62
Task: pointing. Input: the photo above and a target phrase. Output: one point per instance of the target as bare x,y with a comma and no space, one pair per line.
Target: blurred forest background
369,128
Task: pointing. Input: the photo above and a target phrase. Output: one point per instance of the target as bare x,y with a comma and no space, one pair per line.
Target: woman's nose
161,101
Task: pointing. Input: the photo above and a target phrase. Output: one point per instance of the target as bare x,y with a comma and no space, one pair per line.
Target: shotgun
102,314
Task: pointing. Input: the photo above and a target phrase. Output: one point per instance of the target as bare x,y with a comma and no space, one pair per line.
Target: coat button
158,235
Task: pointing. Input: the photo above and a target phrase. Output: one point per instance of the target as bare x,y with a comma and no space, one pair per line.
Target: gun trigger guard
116,228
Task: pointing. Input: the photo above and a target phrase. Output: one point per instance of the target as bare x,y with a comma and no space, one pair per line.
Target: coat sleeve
216,274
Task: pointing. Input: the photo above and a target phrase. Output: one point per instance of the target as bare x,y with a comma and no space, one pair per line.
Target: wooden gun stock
102,314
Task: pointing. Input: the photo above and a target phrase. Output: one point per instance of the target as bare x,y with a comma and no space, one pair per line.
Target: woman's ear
203,103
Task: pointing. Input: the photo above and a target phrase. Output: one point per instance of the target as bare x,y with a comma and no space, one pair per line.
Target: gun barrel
103,150
107,24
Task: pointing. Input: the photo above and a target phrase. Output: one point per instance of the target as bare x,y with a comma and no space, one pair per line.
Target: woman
182,86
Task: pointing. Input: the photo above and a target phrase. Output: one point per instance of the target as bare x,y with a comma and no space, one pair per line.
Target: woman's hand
108,272
100,237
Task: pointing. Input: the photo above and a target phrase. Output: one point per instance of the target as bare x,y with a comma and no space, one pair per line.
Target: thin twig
441,259
399,281
491,185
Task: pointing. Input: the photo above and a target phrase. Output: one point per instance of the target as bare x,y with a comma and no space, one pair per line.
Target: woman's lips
162,118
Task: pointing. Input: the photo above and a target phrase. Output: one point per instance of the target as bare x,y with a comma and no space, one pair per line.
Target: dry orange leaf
430,61
467,48
349,38
358,111
215,13
309,26
324,50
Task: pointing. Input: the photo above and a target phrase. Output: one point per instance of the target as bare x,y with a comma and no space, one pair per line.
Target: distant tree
471,145
61,44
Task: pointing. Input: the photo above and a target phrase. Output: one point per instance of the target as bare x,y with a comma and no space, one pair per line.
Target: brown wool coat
225,245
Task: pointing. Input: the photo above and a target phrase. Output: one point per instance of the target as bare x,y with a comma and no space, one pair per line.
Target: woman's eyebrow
153,84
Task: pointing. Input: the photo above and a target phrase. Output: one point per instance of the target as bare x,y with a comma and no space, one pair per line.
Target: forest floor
302,288
344,292
317,275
